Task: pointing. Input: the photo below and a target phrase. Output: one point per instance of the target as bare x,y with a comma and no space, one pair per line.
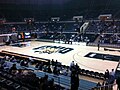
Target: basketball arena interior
59,44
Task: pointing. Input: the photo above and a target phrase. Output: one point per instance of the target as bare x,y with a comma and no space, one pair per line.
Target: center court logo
52,49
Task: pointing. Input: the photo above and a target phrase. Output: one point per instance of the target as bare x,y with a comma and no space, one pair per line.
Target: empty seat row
92,74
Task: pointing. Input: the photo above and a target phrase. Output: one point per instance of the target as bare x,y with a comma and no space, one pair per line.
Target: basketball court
66,53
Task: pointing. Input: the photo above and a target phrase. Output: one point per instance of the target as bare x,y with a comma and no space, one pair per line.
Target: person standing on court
98,45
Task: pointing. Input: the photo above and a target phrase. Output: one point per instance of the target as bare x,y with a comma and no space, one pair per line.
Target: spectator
68,72
7,58
45,68
74,76
112,77
106,86
118,82
72,64
56,63
51,85
104,82
45,83
31,60
7,65
2,61
112,73
77,68
40,67
106,75
55,70
74,81
37,65
13,68
98,84
52,62
49,70
1,67
24,63
12,59
19,73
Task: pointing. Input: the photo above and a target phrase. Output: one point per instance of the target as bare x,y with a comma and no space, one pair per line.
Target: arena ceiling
63,8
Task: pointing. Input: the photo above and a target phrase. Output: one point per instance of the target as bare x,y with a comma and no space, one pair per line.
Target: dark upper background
16,10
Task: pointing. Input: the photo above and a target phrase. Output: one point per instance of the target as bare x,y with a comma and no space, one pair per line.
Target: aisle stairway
84,27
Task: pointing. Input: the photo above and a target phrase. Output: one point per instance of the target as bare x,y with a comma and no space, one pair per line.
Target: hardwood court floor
76,55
